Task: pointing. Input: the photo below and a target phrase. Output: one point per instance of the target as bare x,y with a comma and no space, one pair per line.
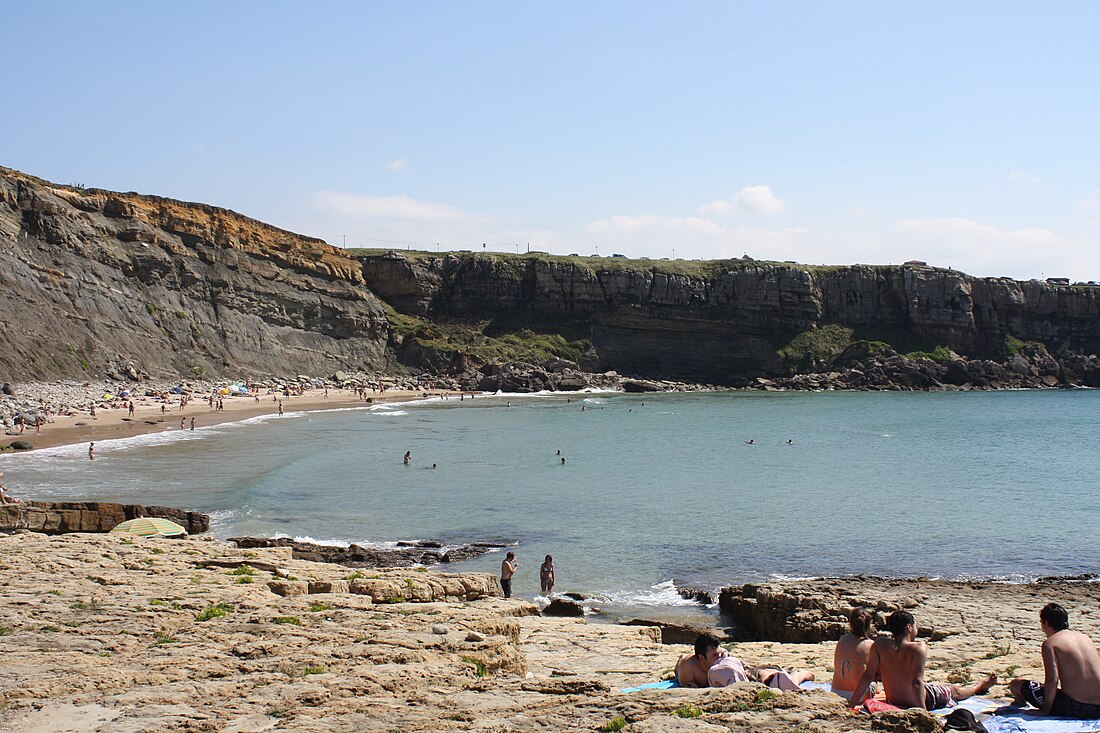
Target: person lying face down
1071,665
692,669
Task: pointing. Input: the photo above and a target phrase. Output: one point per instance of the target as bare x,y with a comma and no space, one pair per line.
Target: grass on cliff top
687,268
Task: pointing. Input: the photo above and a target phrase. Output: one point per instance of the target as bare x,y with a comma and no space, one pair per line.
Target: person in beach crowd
508,568
692,670
852,651
183,423
91,410
163,408
1071,667
280,408
546,574
777,678
130,413
5,497
91,451
408,457
192,423
900,660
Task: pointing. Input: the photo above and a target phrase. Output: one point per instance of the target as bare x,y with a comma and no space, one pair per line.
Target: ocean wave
662,594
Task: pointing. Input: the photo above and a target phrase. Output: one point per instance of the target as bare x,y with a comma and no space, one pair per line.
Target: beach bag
963,719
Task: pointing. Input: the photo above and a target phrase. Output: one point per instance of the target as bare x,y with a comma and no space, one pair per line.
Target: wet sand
148,417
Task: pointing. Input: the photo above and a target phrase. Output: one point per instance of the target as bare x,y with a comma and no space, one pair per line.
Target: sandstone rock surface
60,517
104,633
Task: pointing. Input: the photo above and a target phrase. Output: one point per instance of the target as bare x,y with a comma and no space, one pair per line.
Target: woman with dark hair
850,657
546,570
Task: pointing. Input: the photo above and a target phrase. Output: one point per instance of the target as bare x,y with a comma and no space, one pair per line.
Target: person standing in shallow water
546,574
408,457
91,451
508,568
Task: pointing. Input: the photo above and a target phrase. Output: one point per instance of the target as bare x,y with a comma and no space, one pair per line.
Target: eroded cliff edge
92,281
710,321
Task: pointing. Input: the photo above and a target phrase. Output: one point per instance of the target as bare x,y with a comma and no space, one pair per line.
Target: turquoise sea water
656,488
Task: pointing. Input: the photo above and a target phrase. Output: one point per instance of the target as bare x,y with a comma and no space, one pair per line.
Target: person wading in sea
508,568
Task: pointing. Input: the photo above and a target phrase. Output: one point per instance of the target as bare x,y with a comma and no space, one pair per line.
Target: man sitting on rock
691,670
900,660
1071,666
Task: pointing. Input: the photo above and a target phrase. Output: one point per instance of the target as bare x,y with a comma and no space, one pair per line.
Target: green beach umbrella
149,526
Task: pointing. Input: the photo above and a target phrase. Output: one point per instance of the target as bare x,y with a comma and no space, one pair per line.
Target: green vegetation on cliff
498,338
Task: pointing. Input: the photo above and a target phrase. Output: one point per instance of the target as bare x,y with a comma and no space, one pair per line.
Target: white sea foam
659,595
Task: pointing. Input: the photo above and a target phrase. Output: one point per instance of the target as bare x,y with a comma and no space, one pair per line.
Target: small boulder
288,588
475,636
8,389
20,445
328,586
440,629
563,607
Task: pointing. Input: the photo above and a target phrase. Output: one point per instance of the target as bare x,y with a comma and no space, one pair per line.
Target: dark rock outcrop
62,517
713,321
414,553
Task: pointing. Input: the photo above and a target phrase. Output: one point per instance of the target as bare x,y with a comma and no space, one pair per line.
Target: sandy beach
150,418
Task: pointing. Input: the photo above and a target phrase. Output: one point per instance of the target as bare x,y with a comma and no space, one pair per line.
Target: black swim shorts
506,586
1064,706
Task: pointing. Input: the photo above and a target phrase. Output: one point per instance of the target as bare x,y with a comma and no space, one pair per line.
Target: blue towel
662,685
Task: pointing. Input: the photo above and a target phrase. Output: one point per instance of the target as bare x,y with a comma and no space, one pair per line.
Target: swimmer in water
790,442
563,460
750,441
408,457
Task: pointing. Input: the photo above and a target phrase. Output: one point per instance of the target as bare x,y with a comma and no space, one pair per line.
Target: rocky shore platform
105,633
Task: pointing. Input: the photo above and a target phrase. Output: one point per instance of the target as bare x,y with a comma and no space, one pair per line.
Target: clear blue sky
962,133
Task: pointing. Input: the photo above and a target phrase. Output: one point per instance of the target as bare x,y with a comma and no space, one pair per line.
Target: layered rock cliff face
708,321
94,281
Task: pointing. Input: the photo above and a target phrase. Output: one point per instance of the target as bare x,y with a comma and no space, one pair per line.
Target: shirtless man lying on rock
900,661
1071,666
712,666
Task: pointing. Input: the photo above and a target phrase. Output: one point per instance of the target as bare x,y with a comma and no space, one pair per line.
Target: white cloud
1090,202
985,250
759,200
366,206
715,207
1022,176
395,165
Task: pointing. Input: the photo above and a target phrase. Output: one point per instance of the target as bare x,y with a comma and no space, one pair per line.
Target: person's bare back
900,661
852,650
1078,664
849,661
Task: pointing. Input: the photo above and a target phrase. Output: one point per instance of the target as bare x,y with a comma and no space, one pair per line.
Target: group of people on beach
890,668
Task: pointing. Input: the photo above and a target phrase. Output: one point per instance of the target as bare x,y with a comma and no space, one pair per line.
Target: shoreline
114,423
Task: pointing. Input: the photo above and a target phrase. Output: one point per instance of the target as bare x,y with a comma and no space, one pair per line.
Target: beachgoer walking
91,451
280,408
900,660
546,574
192,423
131,412
852,651
408,457
91,409
183,423
1071,666
508,568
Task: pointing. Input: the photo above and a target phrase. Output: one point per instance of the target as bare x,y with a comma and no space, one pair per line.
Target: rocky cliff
712,320
92,282
98,283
